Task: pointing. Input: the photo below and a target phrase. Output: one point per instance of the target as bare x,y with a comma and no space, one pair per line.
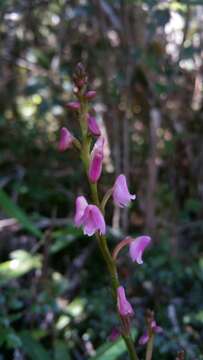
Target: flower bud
93,126
96,159
66,139
73,105
89,95
124,307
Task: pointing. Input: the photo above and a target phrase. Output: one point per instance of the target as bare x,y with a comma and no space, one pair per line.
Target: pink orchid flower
137,247
121,194
89,217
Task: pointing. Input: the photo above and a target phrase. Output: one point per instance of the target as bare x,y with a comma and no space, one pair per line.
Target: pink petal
157,329
90,94
93,126
73,105
81,205
121,194
66,139
137,247
97,156
144,339
124,307
93,220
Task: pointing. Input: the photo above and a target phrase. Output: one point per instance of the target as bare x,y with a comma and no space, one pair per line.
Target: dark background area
144,59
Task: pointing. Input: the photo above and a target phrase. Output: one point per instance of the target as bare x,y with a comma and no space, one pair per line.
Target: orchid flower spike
137,247
93,126
89,217
96,159
121,195
124,307
66,139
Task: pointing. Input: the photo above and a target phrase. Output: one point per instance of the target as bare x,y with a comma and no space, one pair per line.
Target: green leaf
33,348
21,263
61,351
110,351
11,209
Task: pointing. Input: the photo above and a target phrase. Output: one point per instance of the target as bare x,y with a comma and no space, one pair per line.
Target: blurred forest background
145,60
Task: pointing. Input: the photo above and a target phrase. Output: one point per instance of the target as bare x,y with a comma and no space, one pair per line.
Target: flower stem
150,346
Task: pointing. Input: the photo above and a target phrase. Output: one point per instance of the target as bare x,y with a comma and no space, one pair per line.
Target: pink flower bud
137,247
73,105
124,307
96,159
90,94
93,126
89,217
121,194
66,139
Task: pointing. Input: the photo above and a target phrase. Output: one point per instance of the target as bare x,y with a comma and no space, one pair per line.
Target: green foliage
32,348
13,210
22,262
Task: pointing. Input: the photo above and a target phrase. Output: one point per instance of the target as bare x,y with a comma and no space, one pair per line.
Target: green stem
150,346
102,241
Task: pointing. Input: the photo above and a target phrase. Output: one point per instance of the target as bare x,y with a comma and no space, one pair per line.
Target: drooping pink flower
73,105
121,194
137,247
89,217
153,329
96,159
124,307
93,126
90,94
66,139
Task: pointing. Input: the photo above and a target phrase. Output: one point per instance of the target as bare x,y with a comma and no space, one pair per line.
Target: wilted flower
66,139
93,126
89,217
124,307
121,194
96,159
73,105
137,247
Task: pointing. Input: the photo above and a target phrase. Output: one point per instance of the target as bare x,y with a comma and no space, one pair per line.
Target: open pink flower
93,126
66,139
137,247
153,329
121,194
124,307
96,159
89,217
